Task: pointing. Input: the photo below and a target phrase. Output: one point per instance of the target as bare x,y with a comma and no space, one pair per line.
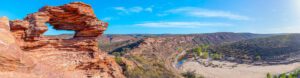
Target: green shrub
191,74
282,75
269,75
290,76
275,76
117,54
294,74
201,51
216,56
118,60
205,55
257,57
198,51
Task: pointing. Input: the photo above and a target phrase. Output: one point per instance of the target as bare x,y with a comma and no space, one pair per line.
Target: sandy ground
240,71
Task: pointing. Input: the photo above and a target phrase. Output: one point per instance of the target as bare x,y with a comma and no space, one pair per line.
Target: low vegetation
293,74
191,74
118,60
203,52
269,75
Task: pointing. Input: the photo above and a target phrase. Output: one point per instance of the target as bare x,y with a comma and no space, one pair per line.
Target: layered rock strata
26,53
77,16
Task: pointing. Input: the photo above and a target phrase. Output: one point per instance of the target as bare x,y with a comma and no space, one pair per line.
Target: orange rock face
10,53
77,16
33,55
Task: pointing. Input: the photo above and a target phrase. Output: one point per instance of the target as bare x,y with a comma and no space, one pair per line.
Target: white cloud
133,9
120,8
136,9
107,18
200,12
149,9
162,14
180,24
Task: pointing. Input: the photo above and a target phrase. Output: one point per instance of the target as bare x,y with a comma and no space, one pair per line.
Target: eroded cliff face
26,52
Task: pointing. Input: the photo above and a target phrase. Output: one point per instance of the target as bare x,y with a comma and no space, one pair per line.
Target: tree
202,51
198,51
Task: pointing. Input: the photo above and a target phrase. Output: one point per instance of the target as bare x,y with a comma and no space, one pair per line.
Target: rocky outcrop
9,52
77,16
11,56
26,53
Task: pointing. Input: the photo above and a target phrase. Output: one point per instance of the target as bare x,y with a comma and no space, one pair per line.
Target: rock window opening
61,34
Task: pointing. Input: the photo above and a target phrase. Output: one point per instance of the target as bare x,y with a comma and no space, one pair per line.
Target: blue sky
178,16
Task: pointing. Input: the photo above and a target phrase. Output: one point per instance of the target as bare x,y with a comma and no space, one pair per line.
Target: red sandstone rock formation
45,57
77,16
9,52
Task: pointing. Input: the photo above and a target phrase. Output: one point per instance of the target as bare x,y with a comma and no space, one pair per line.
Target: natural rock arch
62,34
76,16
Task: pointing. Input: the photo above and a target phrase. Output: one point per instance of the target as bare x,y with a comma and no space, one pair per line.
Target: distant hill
274,49
113,42
61,36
